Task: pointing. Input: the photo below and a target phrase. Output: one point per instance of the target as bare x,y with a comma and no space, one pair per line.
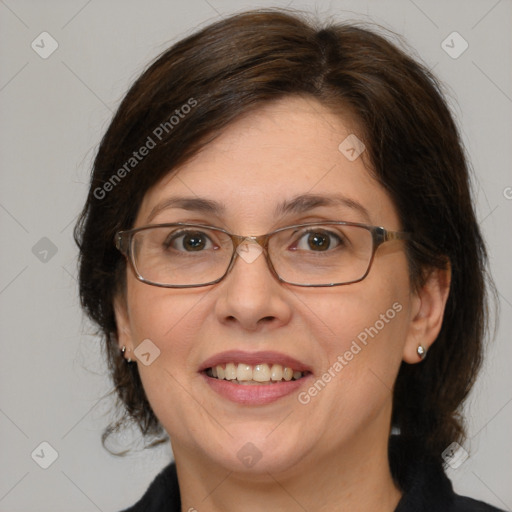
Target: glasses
180,255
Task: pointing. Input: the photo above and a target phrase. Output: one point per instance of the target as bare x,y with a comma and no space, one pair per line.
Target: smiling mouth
246,374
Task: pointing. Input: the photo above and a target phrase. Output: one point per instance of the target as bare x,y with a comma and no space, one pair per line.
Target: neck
355,476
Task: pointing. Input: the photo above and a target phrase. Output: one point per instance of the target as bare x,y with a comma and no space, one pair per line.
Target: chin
252,451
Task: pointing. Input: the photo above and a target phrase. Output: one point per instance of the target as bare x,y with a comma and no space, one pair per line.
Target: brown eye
318,241
189,241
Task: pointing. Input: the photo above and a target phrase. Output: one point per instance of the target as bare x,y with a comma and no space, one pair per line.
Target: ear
124,334
427,314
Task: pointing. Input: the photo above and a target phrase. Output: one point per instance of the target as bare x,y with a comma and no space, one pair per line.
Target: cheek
362,332
363,338
171,321
372,310
163,315
363,353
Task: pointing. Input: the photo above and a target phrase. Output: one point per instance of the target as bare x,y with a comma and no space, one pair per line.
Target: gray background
53,113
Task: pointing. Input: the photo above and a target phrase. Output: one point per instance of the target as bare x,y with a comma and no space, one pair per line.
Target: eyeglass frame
380,235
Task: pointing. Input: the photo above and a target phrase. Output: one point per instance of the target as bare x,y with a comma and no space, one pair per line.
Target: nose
251,297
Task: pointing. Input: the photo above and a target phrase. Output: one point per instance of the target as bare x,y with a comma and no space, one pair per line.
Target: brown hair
414,149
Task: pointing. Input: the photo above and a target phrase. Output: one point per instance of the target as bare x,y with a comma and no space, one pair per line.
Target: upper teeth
258,373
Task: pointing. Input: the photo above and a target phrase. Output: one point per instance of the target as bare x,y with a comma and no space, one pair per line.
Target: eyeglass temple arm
397,235
121,242
382,235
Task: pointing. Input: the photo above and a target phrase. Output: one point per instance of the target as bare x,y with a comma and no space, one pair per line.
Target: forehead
271,156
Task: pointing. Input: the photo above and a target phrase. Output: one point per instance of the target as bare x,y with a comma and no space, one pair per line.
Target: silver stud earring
123,350
421,351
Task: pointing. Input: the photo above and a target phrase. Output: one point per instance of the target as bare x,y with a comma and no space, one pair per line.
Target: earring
123,350
421,351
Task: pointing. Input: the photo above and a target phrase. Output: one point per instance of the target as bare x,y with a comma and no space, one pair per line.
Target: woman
276,247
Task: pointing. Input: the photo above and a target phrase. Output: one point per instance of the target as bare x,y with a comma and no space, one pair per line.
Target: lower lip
254,394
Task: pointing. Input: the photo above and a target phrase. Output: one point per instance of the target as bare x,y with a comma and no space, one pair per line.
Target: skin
328,454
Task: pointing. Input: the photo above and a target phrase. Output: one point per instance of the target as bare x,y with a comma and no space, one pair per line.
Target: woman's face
348,340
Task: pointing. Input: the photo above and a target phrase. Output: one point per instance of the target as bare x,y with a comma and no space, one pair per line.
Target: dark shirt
424,485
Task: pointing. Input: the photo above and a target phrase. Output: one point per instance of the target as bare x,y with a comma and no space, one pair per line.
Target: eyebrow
195,204
306,202
297,205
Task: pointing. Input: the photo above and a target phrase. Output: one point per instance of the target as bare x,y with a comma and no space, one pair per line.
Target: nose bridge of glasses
239,240
249,248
